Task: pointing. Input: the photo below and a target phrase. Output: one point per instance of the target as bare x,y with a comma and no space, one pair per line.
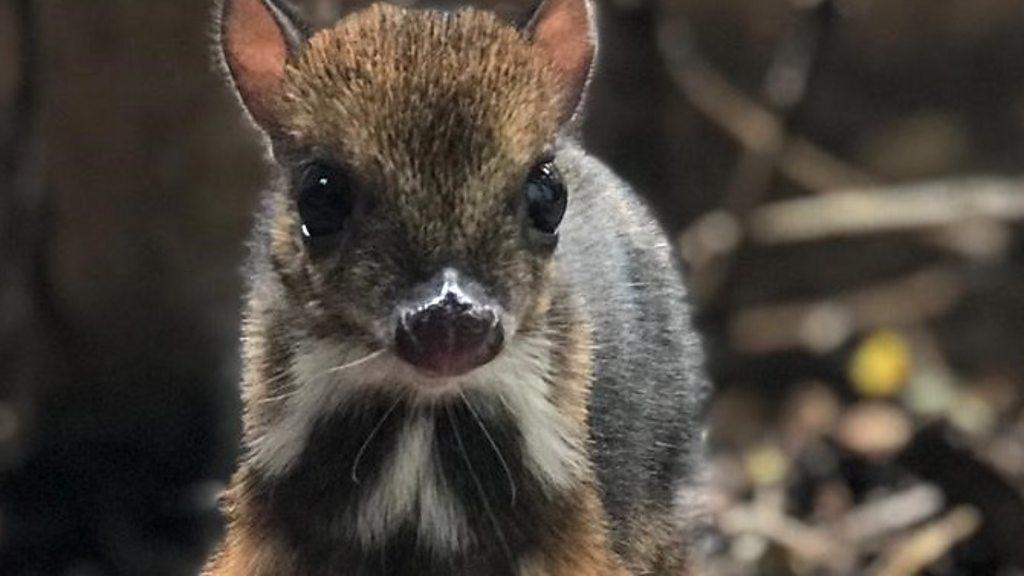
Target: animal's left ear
565,31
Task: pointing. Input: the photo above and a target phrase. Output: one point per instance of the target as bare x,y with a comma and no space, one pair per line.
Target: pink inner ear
256,52
562,29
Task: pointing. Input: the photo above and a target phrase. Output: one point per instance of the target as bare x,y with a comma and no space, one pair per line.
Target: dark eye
325,200
546,197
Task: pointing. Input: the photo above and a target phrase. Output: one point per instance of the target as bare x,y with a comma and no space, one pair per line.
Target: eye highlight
325,200
546,197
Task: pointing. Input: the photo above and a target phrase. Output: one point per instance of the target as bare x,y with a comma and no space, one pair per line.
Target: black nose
448,335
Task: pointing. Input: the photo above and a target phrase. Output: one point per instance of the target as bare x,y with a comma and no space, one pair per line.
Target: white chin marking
411,486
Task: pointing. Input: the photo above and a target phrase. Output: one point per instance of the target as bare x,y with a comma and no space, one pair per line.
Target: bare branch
929,206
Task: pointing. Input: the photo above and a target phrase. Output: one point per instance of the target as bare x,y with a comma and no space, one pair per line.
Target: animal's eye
546,197
325,200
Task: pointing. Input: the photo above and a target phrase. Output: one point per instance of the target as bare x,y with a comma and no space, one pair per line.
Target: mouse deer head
423,195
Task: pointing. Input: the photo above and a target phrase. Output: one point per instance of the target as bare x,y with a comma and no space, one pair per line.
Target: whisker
280,375
277,397
332,370
494,445
479,485
371,356
370,437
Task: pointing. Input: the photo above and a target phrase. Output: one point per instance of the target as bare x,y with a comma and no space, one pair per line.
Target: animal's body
447,369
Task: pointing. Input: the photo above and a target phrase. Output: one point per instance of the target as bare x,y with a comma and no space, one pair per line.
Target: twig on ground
805,542
896,512
929,544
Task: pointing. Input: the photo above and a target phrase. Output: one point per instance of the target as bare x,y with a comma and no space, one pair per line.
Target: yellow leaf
881,365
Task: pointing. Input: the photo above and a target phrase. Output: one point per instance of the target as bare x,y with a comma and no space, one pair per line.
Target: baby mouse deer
467,350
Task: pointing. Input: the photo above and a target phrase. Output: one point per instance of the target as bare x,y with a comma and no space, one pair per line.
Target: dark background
129,176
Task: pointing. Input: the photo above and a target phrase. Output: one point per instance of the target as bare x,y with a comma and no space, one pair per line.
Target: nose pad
450,335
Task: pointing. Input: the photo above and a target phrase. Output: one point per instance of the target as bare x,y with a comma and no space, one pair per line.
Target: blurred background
843,179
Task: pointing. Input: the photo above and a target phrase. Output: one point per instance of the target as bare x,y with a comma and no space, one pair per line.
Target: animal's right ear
256,39
564,31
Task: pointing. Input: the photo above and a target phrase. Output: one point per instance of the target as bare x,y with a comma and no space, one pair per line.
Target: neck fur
406,458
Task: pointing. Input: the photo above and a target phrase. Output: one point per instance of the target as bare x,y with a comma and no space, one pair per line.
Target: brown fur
248,549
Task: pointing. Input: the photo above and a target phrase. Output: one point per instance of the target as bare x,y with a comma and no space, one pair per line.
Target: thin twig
750,123
784,89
